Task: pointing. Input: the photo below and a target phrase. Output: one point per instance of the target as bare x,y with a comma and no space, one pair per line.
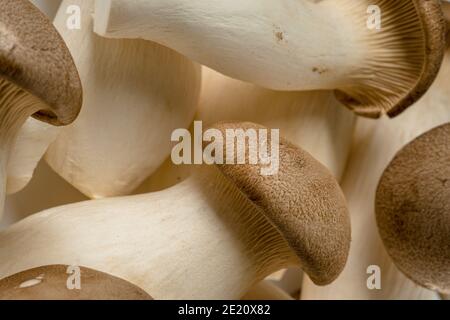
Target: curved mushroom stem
297,45
15,107
34,136
212,236
32,142
136,93
375,144
311,120
201,246
49,7
236,38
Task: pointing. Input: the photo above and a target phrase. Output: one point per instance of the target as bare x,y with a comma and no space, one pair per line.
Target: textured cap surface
34,57
303,200
51,283
413,209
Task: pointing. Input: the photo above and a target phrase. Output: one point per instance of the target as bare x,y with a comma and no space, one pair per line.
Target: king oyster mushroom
212,236
298,44
374,146
37,77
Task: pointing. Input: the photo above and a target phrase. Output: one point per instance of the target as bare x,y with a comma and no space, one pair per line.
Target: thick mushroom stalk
298,44
212,236
413,209
136,94
374,146
37,76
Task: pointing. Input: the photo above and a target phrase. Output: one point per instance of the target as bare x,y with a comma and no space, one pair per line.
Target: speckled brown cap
413,209
34,57
51,283
303,201
403,60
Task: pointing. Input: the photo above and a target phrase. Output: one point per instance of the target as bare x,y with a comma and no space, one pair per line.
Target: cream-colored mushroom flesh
136,94
49,7
58,282
31,143
374,146
376,68
413,209
37,75
218,232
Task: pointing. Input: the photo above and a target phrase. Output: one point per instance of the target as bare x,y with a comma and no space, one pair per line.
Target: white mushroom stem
135,94
375,144
49,7
15,107
34,137
46,190
31,144
198,240
314,121
295,44
236,38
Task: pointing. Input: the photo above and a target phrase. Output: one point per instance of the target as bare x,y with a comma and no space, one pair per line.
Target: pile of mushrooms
244,224
350,195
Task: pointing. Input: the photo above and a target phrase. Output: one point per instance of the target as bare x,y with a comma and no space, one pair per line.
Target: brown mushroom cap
406,55
413,209
50,283
34,58
303,201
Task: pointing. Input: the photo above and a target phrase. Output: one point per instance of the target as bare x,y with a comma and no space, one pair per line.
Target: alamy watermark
374,19
236,146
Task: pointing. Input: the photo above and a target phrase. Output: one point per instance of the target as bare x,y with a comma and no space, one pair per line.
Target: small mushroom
374,146
37,77
54,283
298,44
136,94
413,209
212,236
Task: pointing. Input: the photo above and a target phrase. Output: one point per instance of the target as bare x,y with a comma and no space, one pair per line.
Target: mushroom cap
50,283
405,58
34,57
303,201
413,209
